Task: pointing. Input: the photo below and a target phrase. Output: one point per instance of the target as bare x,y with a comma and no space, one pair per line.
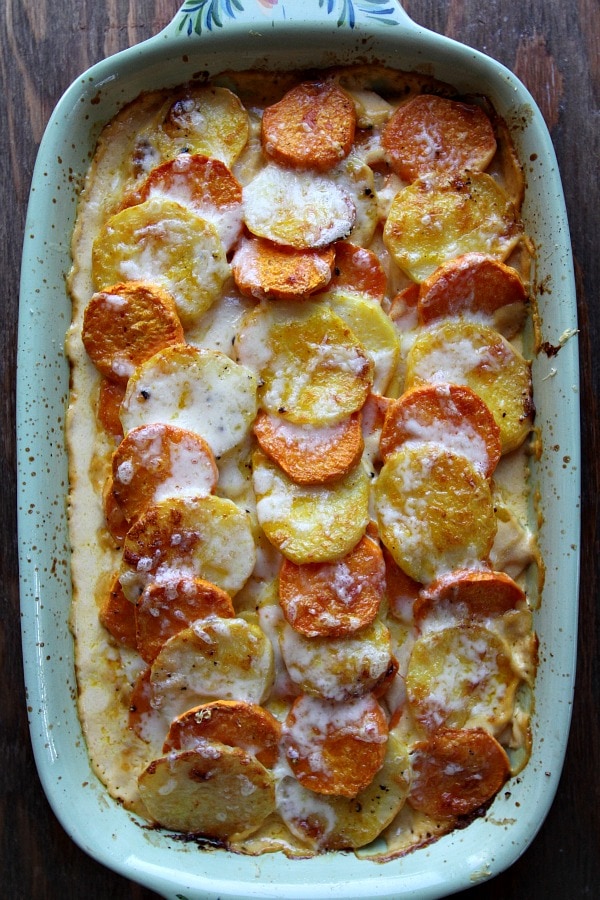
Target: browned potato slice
334,823
207,537
338,668
310,523
268,271
312,369
335,748
455,772
215,791
213,659
469,353
470,593
161,241
232,722
207,120
117,615
433,221
435,510
461,677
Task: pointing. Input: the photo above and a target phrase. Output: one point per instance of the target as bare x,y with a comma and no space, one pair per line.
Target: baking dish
211,36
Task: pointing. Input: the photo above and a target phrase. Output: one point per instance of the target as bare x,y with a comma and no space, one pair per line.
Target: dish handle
198,17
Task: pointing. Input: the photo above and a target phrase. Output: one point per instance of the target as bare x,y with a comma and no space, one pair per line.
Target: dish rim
45,586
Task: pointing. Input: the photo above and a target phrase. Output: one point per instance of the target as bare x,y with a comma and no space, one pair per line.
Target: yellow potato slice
312,370
212,659
208,120
366,319
435,510
338,668
205,537
432,221
461,677
163,242
296,208
203,391
310,523
468,353
216,791
356,178
339,823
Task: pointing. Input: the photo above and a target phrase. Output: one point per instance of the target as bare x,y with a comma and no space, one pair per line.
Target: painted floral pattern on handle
198,16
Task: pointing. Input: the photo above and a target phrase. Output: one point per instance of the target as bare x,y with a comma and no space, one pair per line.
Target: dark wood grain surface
554,47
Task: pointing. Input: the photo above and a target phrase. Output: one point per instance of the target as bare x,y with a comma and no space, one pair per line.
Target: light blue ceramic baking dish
213,35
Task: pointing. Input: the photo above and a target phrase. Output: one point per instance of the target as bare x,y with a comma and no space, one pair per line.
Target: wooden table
554,47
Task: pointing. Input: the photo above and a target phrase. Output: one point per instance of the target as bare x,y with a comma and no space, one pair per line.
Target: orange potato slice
450,414
433,134
310,523
215,791
307,454
462,352
401,590
328,822
335,748
358,269
435,510
125,324
231,722
165,243
432,221
338,668
268,271
472,283
116,523
110,397
142,717
206,537
117,615
156,461
203,184
206,120
311,127
460,677
455,772
297,208
479,594
334,599
165,609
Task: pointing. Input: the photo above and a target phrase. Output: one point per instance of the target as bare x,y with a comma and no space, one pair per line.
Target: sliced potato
206,537
215,791
468,353
298,209
470,593
205,119
435,510
338,668
335,748
358,270
461,677
312,370
455,772
310,523
164,242
213,659
117,615
202,391
339,823
268,271
432,221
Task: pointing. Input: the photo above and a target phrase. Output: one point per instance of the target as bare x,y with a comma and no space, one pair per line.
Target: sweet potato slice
307,454
165,609
215,791
268,271
156,461
456,771
110,397
311,127
334,599
474,594
451,414
116,523
401,590
433,134
358,269
335,748
117,615
125,324
472,283
231,722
